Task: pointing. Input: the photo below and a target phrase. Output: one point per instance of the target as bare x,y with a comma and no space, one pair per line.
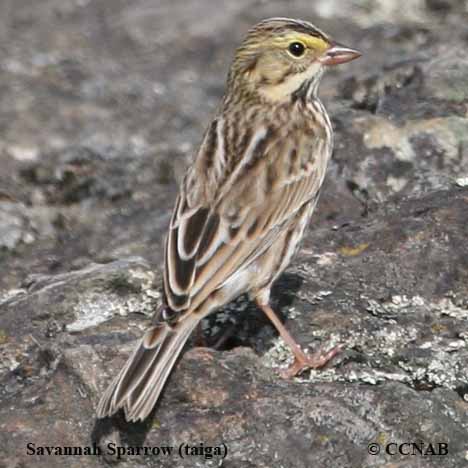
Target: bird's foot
303,361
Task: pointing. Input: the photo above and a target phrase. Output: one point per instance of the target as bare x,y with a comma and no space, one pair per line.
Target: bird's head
280,57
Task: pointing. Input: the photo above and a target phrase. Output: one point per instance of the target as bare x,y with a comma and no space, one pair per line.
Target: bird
243,204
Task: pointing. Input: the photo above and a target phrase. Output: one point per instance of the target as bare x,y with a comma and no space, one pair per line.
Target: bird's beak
337,54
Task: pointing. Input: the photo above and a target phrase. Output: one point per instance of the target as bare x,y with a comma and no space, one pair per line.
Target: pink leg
302,361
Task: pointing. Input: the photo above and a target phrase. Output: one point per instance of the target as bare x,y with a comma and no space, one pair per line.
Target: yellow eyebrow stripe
311,42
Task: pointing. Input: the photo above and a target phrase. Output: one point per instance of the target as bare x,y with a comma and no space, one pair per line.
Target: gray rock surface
102,103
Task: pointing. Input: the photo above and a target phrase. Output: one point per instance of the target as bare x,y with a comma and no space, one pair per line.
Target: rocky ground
101,104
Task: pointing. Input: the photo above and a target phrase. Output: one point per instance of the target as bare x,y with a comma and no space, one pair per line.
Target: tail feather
148,392
137,387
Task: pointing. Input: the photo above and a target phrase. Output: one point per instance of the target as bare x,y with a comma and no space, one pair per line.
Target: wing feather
219,237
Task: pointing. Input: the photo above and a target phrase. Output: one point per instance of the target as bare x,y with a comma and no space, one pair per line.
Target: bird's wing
209,241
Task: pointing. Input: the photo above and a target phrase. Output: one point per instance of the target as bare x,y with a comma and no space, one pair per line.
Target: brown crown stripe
278,27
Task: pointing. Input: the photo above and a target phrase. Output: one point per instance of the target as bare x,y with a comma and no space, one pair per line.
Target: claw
303,362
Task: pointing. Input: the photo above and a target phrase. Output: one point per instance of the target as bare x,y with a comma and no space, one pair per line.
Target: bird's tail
137,387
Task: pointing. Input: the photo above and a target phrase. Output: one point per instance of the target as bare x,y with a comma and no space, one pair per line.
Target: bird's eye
296,49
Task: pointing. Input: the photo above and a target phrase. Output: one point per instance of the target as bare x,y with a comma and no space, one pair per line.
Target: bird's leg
200,340
302,361
225,336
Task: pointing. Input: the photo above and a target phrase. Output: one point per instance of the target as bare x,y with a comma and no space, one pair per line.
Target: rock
20,224
81,299
12,228
96,130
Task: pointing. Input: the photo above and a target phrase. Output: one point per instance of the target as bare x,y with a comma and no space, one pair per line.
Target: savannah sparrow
244,202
